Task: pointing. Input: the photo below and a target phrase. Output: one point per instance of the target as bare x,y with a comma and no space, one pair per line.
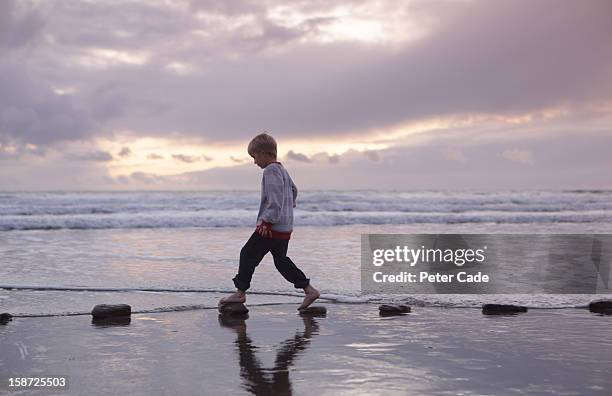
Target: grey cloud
147,178
11,151
475,60
135,178
524,157
109,100
372,155
125,152
291,155
31,113
96,156
325,157
238,160
562,163
19,24
130,25
185,158
453,154
228,7
53,175
566,160
155,156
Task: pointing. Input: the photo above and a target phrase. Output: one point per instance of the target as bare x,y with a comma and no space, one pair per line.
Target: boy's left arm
295,192
273,190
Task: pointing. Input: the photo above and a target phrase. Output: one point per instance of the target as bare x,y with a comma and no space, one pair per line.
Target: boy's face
262,159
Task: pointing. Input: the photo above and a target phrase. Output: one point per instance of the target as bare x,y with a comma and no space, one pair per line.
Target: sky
395,95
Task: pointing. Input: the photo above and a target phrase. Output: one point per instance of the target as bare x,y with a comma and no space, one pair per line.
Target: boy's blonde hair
262,143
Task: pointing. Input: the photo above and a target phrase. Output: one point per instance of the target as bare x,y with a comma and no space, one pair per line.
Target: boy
274,225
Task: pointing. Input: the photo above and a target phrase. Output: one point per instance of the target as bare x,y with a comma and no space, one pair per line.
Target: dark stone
313,311
601,307
110,311
502,309
233,309
111,321
5,318
393,309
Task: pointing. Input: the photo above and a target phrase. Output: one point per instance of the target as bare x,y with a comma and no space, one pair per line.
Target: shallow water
351,351
158,269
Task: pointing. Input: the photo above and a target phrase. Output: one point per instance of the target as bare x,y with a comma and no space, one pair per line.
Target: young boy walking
274,225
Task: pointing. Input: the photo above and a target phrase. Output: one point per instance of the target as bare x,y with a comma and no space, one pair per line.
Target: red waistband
281,235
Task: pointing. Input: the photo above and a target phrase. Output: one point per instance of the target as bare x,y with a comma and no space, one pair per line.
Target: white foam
431,300
32,211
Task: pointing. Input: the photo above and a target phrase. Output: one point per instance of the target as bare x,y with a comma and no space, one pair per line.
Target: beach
169,258
350,351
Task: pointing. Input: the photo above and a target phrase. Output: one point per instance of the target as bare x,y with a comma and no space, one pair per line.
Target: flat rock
601,307
502,309
313,311
233,309
111,321
5,318
110,311
393,309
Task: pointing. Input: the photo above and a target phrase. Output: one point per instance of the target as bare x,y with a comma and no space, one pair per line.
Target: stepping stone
313,311
603,307
5,318
393,309
112,321
502,309
102,311
233,309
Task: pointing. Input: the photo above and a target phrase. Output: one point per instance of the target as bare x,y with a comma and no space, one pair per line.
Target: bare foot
311,295
237,297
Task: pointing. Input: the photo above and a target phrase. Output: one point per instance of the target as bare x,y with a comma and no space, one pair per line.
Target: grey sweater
278,195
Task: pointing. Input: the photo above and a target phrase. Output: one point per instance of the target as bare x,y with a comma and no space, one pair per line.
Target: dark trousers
254,251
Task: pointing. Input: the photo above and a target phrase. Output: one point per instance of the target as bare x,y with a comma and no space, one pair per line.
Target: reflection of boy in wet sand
274,225
272,381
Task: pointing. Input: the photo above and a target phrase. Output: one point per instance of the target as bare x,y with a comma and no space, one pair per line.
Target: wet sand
350,351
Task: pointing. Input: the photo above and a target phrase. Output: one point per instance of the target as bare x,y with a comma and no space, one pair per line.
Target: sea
61,253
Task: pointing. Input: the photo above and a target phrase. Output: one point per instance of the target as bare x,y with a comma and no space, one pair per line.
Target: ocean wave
53,211
246,219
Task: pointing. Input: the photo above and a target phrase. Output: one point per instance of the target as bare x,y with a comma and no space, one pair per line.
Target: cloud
334,159
239,160
12,151
228,8
155,156
30,112
453,154
324,157
96,156
524,157
125,152
19,24
568,160
147,178
185,158
291,155
243,66
372,155
189,159
471,60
